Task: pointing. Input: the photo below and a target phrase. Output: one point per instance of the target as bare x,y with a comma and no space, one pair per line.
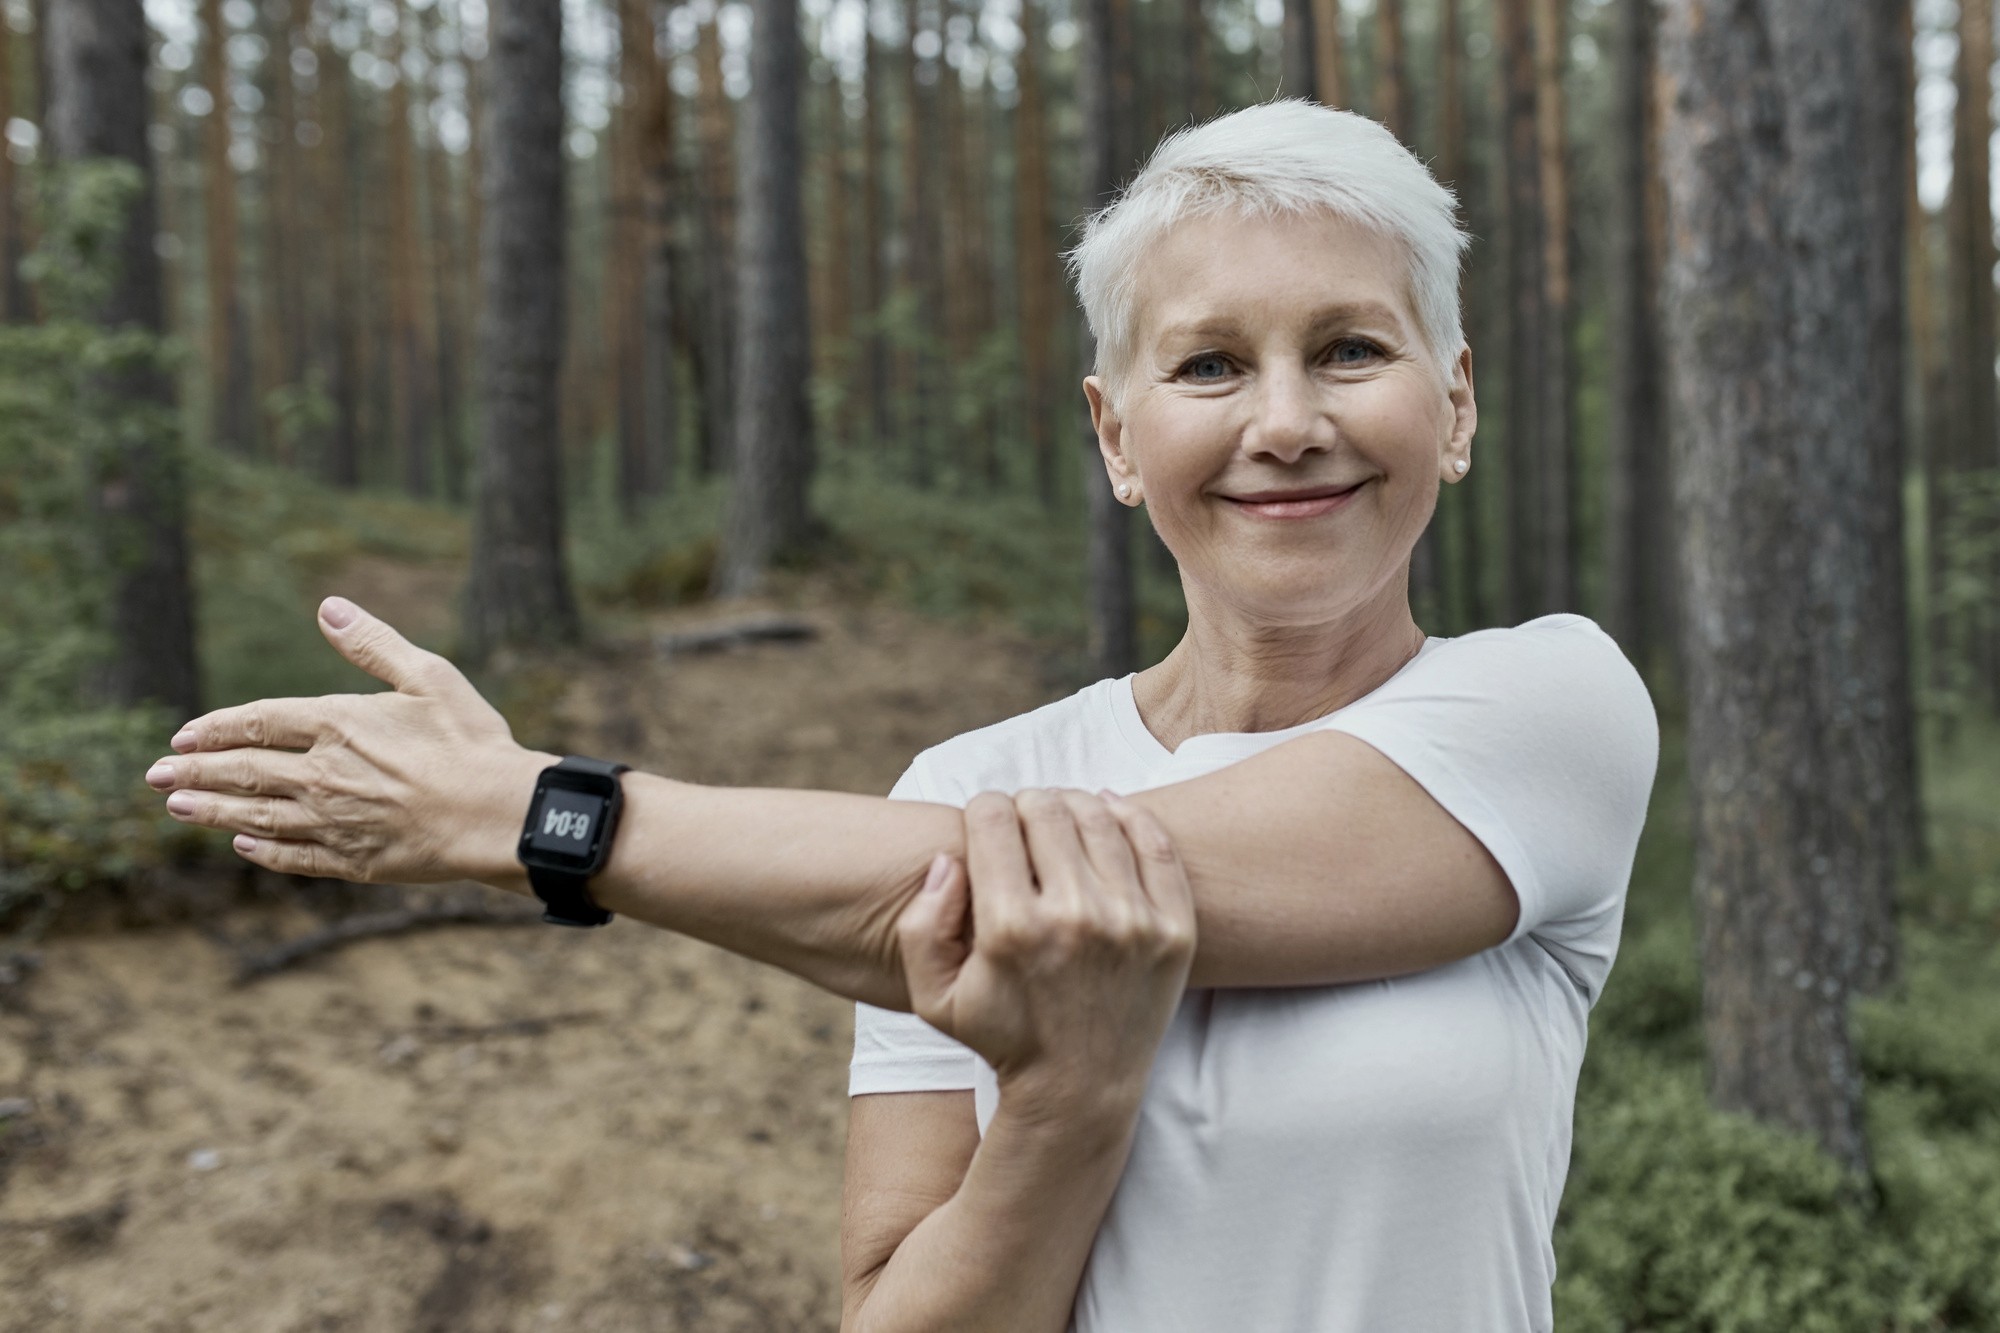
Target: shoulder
1562,666
1020,751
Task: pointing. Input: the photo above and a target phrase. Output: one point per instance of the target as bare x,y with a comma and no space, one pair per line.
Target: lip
1305,502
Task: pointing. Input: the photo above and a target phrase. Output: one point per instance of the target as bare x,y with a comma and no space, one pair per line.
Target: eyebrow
1341,313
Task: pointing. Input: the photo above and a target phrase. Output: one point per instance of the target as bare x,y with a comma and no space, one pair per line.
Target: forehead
1268,273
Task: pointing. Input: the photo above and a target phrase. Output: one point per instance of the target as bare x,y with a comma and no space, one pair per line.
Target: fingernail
184,740
160,775
338,612
244,843
940,867
181,803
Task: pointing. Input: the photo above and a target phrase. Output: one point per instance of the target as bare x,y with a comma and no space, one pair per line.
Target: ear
1110,438
1464,419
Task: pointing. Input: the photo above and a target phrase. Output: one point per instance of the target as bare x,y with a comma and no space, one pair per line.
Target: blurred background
703,379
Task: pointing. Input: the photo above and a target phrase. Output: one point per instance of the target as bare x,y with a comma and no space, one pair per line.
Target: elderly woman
1280,1028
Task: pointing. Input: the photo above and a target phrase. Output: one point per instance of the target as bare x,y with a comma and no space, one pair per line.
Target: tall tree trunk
447,290
1392,83
1558,557
1112,619
408,382
1196,79
284,303
1034,252
231,414
97,55
663,261
1459,506
770,488
838,317
624,294
1636,559
1298,45
14,306
518,591
717,347
1881,638
920,240
337,205
1528,337
1329,57
874,180
1765,167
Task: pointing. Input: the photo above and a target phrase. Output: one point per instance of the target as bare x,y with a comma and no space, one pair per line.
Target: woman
1398,862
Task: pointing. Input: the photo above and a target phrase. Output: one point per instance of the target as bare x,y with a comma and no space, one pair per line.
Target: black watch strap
565,894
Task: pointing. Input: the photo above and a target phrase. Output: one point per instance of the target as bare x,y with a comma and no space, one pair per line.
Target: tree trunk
447,292
518,591
1113,630
1528,339
14,305
838,316
1637,540
624,291
1298,44
769,490
1034,253
1392,84
1558,556
97,55
920,241
663,248
1197,81
717,347
1769,242
874,180
1329,58
231,420
408,383
337,206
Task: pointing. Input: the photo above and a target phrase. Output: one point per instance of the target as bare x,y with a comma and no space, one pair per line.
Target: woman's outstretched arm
1315,862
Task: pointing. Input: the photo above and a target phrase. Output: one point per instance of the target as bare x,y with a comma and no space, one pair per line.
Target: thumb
931,936
374,645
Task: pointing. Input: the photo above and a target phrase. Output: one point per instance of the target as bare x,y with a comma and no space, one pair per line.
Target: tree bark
1111,601
1528,337
1329,59
1558,525
624,293
874,180
1392,84
447,291
14,305
1764,162
98,101
1299,46
1198,82
1637,551
1034,253
920,241
232,421
717,347
409,413
769,489
518,591
337,206
663,264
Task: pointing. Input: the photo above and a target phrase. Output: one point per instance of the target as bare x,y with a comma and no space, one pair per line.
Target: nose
1288,420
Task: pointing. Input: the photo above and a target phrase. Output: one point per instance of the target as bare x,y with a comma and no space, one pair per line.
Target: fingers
235,772
996,859
262,816
294,858
1105,844
1055,849
290,724
1161,872
372,644
931,936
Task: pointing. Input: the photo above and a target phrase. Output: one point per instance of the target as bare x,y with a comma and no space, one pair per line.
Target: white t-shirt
1383,1157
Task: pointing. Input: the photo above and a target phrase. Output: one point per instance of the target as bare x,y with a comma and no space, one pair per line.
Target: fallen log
375,925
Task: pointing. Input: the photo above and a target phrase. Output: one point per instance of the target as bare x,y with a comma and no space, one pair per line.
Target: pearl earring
1123,490
1459,466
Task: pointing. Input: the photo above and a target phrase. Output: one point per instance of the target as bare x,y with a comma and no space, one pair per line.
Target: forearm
1007,1250
808,881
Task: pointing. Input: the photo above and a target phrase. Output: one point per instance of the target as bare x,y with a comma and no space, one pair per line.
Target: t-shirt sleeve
899,1052
1542,741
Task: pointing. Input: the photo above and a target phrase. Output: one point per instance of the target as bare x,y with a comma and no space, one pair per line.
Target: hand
1082,931
415,785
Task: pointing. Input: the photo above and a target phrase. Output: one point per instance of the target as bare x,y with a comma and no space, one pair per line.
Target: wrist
1096,1109
491,847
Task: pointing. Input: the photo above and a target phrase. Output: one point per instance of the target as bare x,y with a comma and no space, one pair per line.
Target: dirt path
477,1129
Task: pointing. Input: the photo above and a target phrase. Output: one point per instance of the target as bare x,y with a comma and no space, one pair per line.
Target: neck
1234,672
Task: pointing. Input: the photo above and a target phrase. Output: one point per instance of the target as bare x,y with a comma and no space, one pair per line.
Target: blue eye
1353,352
1207,366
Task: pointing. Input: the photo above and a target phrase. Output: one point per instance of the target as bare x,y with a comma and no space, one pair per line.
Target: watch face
568,822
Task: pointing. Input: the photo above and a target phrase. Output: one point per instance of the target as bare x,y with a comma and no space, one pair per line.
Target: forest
702,377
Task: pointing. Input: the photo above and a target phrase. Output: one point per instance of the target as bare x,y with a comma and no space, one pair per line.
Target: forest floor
477,1128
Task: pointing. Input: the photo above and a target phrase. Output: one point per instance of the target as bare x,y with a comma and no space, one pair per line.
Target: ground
477,1128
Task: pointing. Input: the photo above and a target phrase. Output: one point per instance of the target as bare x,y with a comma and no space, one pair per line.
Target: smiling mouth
1308,502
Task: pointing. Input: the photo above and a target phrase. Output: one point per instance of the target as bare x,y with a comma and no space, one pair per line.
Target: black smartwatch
567,838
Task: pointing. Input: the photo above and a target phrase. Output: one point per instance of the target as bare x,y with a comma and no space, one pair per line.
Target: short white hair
1273,159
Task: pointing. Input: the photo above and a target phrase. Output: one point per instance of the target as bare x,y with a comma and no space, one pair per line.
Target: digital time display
567,822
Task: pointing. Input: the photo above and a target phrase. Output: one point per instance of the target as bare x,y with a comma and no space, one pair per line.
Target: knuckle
264,817
255,726
989,809
1041,805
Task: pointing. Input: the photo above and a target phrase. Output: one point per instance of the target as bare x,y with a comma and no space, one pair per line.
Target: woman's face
1280,417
